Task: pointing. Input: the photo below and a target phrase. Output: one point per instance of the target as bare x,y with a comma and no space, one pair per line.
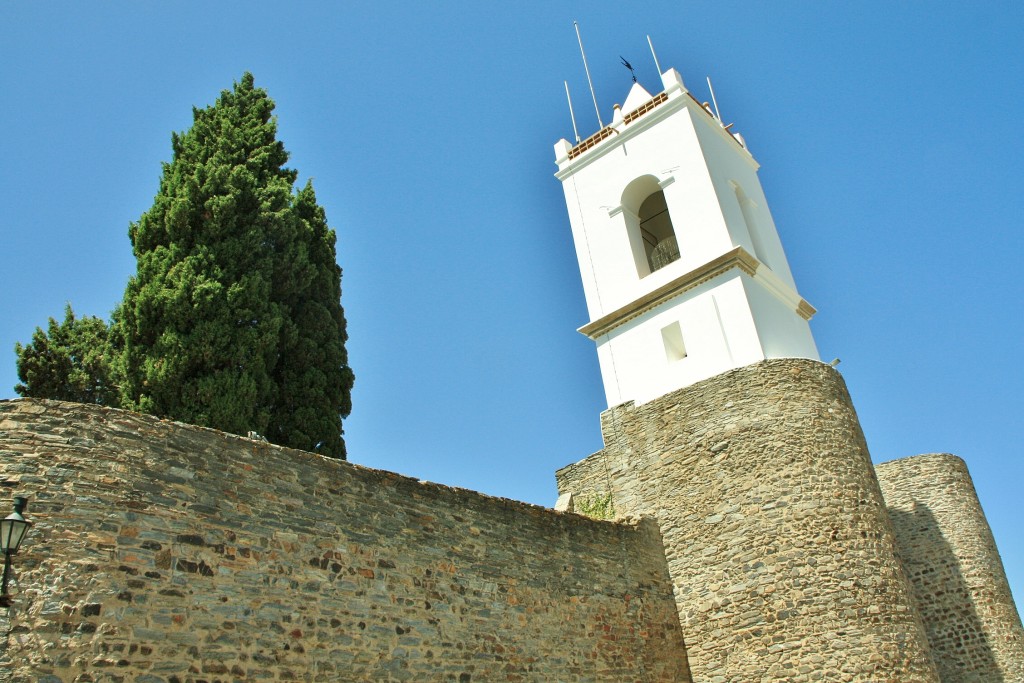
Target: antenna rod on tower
714,100
654,55
571,114
587,69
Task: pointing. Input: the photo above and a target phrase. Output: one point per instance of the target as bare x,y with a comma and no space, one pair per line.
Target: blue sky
888,135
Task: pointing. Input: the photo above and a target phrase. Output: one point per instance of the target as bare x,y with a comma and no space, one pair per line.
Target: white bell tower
682,267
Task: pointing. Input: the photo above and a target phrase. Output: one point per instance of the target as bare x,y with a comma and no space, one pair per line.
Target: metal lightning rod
571,114
713,100
654,55
587,69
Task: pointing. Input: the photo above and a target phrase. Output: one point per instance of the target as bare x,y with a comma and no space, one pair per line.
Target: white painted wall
670,153
730,169
718,331
782,334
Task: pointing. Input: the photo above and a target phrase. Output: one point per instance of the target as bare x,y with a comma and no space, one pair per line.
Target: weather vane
628,66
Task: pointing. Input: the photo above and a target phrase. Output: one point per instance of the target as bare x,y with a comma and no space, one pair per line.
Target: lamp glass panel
11,533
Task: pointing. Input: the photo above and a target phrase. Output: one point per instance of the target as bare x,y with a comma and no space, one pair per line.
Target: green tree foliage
197,324
67,362
233,319
312,376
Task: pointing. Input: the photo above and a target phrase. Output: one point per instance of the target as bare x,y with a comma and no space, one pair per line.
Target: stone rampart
951,559
164,553
778,542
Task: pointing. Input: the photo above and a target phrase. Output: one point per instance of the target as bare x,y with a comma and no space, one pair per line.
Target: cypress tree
313,379
230,265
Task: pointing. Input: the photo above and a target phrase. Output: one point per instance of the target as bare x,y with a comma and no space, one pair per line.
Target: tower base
782,555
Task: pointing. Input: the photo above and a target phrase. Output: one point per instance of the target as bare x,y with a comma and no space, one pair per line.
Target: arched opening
651,234
660,244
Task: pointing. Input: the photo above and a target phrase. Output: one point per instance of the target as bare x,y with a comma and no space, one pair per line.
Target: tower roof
636,98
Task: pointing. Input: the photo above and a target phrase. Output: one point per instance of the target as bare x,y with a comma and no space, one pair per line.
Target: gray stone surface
779,545
173,554
749,514
951,559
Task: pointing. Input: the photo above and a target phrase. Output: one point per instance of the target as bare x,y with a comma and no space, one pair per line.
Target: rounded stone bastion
781,552
952,562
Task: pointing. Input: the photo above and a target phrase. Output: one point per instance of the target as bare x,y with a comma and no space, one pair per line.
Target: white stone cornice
765,277
736,258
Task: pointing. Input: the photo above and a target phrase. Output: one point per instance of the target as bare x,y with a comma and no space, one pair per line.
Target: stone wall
778,542
950,556
163,553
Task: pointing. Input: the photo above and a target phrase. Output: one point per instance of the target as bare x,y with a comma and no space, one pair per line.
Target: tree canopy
67,362
233,318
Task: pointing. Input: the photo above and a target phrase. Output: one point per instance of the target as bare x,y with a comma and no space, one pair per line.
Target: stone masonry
164,553
751,521
951,559
783,558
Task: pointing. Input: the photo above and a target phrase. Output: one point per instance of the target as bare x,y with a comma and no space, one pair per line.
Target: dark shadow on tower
948,606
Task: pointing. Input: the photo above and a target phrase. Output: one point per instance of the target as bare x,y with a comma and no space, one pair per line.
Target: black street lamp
12,531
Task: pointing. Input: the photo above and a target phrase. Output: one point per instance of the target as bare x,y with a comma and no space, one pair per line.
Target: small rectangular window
672,337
